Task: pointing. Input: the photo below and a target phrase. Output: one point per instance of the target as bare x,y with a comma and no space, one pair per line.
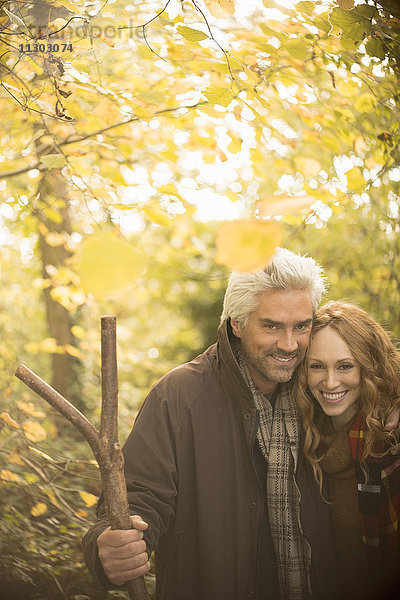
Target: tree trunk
54,220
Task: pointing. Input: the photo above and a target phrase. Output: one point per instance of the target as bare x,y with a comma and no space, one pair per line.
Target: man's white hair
286,271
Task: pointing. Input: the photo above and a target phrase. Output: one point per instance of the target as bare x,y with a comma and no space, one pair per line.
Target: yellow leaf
9,476
371,163
146,113
42,454
48,345
246,245
7,392
55,239
209,158
30,409
9,420
105,39
15,459
171,190
108,111
108,264
34,431
235,145
220,8
52,498
359,144
39,509
62,295
355,179
308,166
89,499
218,95
284,205
78,331
68,5
73,351
158,217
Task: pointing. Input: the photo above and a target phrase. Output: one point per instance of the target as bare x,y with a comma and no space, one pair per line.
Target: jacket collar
230,374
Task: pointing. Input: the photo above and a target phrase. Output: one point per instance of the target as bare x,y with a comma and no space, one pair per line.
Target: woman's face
333,375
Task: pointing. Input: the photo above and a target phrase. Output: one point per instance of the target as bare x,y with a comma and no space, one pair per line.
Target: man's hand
123,552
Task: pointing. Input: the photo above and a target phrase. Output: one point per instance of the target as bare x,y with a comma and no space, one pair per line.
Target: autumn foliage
146,149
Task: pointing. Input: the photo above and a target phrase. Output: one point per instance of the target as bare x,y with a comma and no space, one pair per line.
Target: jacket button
253,505
251,595
247,416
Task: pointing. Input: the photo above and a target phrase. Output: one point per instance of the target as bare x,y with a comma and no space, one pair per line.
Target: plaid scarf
379,497
278,437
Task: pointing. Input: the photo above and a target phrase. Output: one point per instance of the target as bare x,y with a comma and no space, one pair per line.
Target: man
214,465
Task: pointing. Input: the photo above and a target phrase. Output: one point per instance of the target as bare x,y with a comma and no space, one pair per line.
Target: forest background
147,148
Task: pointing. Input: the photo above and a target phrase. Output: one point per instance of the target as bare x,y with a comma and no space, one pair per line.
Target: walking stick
104,443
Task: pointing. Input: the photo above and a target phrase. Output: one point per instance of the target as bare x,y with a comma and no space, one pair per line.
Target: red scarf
379,497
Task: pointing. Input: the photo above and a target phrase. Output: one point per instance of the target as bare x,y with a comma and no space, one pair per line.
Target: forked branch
104,445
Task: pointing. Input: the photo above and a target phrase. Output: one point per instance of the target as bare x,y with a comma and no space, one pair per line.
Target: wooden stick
104,445
113,479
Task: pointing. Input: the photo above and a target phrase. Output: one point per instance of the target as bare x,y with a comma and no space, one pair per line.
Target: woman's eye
315,366
346,367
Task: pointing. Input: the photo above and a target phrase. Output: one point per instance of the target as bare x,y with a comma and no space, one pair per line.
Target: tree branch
105,446
67,142
61,404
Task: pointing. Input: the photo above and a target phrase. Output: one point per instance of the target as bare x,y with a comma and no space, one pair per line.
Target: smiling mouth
283,359
333,397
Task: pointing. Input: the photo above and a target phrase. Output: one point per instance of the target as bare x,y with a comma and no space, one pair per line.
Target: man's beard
272,372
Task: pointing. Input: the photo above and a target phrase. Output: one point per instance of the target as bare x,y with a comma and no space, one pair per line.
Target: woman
346,388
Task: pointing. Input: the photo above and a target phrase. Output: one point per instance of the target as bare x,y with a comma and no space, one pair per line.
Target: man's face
275,339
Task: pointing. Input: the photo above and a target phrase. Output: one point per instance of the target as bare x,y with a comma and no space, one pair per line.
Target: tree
121,122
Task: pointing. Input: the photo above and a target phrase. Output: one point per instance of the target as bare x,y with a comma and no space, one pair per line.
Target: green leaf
322,23
190,34
349,44
366,10
53,161
342,18
152,96
353,24
357,31
298,49
365,103
374,47
305,7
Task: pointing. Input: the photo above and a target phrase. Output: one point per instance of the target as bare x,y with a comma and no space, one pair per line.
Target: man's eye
270,326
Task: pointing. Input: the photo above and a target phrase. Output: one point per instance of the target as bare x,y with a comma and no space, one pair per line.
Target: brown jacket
195,475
